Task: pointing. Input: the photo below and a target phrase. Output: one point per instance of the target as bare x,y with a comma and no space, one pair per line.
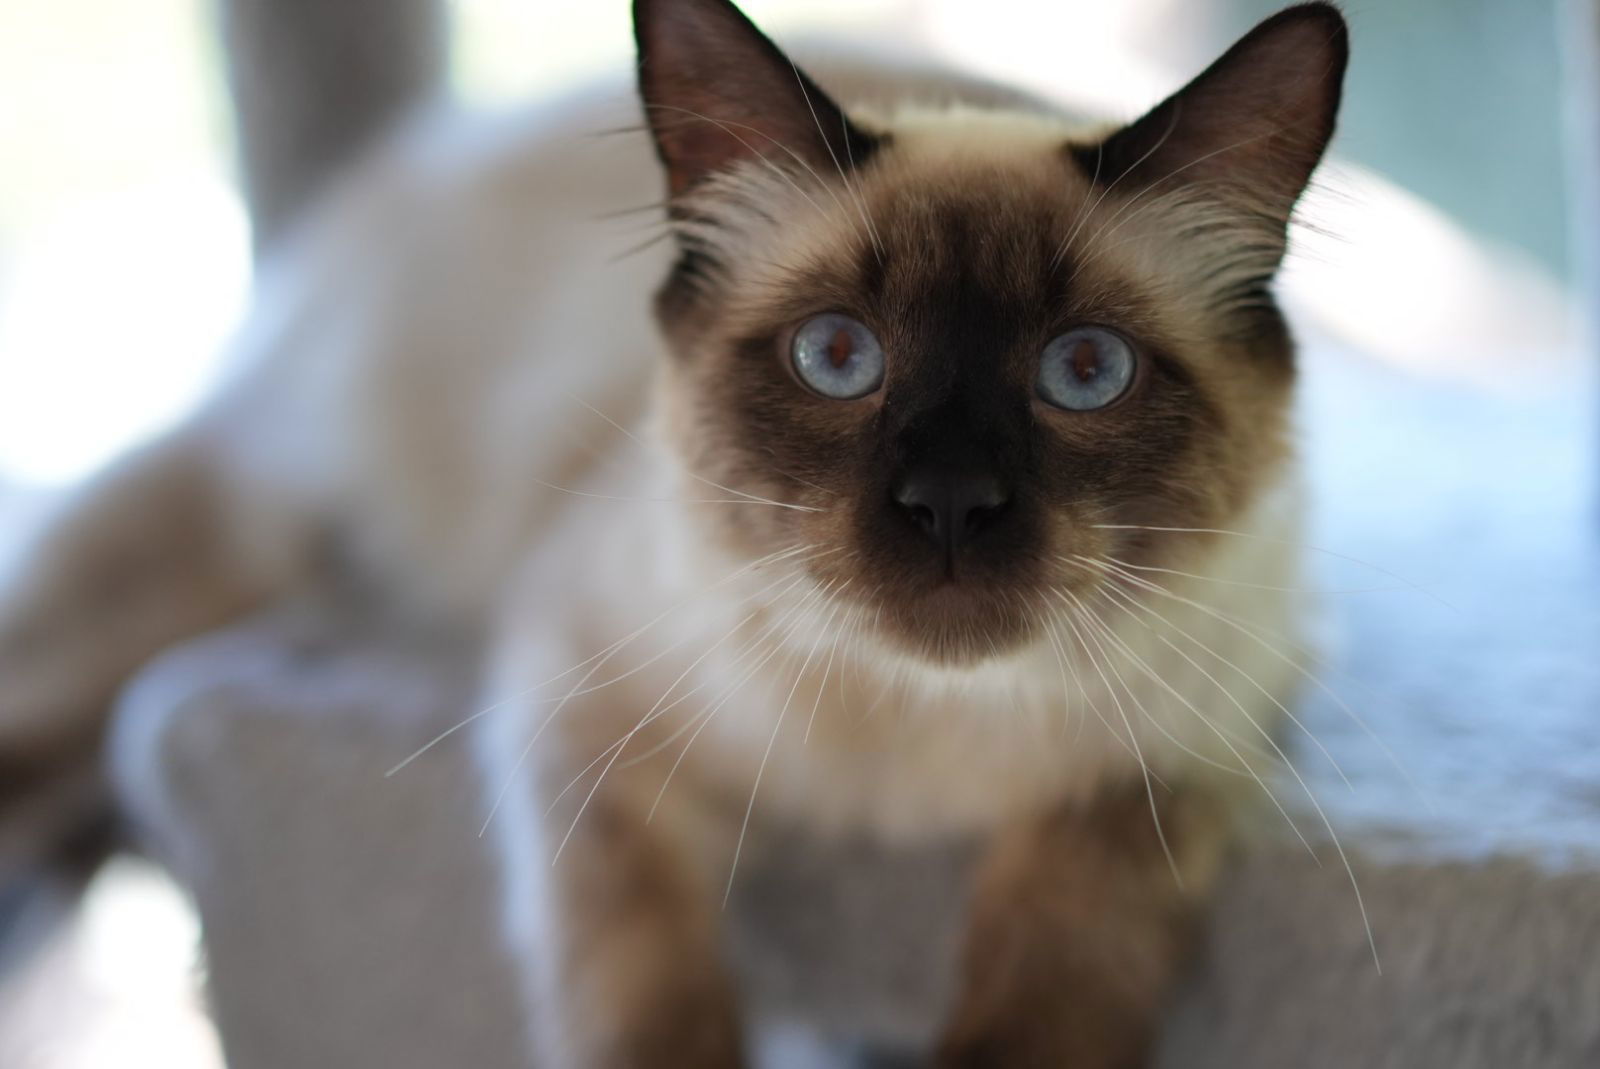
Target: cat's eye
1085,369
837,357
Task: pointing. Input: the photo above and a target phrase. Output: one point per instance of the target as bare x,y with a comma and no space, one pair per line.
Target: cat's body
455,394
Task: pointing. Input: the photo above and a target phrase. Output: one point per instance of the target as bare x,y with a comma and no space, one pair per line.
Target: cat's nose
950,507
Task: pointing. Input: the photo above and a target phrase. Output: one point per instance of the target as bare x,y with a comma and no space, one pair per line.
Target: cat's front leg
1078,929
634,975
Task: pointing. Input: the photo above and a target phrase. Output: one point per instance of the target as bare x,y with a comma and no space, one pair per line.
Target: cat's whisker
1104,567
654,207
728,128
1366,729
1310,795
1151,187
766,755
1251,720
1094,180
827,669
634,250
850,154
1106,635
1144,766
533,740
739,659
771,558
616,749
1242,583
577,688
742,655
618,131
796,575
857,643
1073,617
1177,109
669,500
861,208
1043,624
797,478
1088,656
1282,542
1222,736
1063,655
1311,677
660,709
727,695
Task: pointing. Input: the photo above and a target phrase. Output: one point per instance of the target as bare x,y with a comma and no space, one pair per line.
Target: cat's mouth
956,620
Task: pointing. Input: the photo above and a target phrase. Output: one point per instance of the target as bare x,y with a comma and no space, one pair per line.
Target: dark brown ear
1253,125
716,92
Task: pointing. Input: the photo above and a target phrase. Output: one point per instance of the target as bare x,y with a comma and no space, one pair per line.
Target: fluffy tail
141,557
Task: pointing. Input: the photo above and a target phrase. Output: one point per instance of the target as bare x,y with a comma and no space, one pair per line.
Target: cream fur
429,363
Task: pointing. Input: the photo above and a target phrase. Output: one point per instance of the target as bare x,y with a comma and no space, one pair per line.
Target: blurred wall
1459,101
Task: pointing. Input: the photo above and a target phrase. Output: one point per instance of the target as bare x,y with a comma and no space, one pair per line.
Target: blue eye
837,357
1085,369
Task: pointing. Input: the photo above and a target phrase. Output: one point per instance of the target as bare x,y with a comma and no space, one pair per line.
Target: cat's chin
955,627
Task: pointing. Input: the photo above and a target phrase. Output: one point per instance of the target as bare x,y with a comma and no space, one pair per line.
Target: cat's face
976,351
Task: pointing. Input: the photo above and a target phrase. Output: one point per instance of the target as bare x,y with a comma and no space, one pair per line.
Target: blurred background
124,249
1444,280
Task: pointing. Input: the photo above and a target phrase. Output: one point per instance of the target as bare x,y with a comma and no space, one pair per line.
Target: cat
943,491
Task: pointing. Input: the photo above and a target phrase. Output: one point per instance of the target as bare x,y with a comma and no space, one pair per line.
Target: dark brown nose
950,507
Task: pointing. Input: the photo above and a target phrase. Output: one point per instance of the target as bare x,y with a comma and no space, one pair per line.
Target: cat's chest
902,762
842,747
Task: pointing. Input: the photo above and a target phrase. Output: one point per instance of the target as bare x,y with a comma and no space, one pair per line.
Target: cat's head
975,348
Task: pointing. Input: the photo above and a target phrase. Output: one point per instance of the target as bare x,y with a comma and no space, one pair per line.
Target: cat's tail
139,558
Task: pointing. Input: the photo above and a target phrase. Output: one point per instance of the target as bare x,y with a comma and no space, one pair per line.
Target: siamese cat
930,481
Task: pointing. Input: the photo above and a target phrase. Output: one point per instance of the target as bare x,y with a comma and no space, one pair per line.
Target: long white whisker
1284,709
872,235
1268,791
1144,766
728,128
1242,583
1177,109
1311,797
1360,721
1425,592
772,739
1108,635
827,670
1175,172
576,690
662,707
667,500
1059,649
770,558
616,748
727,696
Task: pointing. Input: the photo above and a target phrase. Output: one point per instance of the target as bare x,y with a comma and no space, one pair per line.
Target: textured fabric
349,917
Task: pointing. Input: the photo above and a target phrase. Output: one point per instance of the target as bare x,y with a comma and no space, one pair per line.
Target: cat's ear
1252,126
717,92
